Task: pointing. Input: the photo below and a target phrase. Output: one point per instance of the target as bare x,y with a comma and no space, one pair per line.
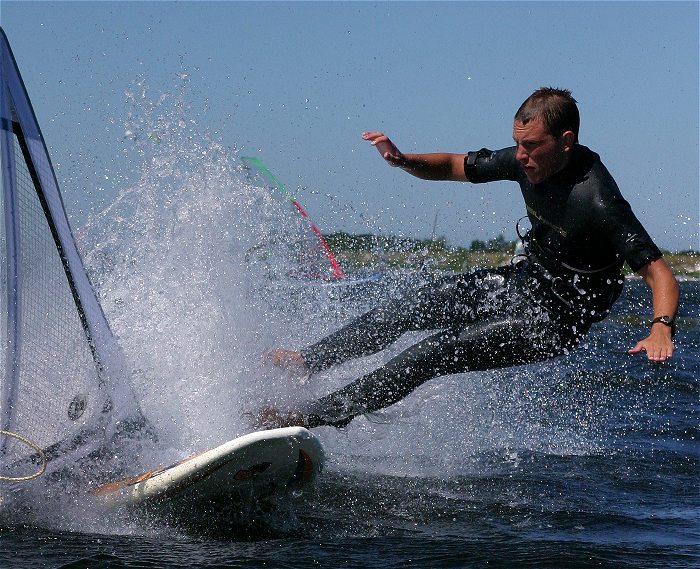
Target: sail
311,252
55,342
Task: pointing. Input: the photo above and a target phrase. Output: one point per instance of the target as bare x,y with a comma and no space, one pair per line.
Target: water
590,460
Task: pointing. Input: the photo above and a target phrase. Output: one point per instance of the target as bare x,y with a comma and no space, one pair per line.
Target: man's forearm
664,287
435,166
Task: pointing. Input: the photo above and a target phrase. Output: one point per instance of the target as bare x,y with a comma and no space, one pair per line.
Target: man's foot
287,359
271,418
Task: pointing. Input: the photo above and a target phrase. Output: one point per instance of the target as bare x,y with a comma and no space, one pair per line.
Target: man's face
540,154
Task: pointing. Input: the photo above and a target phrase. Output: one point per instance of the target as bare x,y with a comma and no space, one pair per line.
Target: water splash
171,259
177,261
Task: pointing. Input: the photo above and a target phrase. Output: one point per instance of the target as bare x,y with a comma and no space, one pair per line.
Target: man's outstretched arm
665,293
430,166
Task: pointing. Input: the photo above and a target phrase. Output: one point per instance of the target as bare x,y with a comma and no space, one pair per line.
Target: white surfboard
257,464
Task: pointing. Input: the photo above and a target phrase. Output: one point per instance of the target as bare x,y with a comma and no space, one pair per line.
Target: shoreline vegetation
360,252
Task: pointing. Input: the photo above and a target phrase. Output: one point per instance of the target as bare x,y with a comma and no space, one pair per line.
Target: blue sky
295,83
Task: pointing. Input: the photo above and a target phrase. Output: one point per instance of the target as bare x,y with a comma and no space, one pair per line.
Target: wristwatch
666,321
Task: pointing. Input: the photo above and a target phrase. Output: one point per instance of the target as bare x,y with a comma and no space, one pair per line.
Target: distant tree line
498,244
341,241
368,250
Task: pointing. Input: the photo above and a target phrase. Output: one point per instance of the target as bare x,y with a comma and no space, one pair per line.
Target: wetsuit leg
367,334
450,302
489,344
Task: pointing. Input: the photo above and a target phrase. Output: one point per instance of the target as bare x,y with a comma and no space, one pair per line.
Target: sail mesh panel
56,370
54,339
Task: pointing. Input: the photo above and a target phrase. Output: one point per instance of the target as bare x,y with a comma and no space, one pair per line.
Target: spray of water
172,261
187,262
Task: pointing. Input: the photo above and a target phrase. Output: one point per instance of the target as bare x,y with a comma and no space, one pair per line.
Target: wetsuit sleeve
492,165
628,235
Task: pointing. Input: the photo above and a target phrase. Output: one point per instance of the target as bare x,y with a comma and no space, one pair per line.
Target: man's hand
658,344
386,148
287,359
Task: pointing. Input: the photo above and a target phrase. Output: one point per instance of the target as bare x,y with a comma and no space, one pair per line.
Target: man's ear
569,138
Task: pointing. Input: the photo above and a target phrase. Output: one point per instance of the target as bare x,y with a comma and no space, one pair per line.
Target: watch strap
666,321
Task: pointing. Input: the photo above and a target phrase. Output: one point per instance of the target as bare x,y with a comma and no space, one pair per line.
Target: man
582,233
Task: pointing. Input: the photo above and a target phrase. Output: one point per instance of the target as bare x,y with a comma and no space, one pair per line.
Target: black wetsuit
582,232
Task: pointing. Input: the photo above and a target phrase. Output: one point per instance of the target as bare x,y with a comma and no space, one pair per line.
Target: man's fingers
654,354
660,355
373,135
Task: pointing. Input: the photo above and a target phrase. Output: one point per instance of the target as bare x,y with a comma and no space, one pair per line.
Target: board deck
264,462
